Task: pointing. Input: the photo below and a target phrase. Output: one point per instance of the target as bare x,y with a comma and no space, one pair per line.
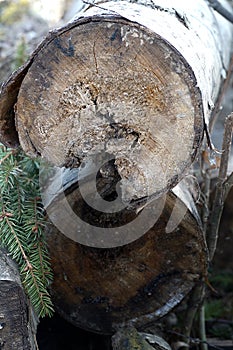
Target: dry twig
222,184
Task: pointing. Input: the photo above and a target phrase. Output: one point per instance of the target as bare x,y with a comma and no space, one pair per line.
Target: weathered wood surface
115,106
101,289
188,26
129,81
17,320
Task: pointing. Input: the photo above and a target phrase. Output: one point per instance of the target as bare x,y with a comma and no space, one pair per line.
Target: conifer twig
21,226
6,156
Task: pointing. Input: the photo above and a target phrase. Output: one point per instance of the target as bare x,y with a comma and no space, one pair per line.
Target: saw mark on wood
147,67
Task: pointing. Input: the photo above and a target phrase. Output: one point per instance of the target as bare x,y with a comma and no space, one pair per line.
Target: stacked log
120,97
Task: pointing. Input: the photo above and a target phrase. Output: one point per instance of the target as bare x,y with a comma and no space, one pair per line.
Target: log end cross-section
112,86
136,283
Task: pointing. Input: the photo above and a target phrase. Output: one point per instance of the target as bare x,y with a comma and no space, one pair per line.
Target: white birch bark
199,33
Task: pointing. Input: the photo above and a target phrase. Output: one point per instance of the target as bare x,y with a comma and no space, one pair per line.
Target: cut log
128,284
128,81
122,93
18,322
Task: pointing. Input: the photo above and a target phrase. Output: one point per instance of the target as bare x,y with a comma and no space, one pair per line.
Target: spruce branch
22,226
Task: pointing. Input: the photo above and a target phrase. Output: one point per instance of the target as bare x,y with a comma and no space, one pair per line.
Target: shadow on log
134,284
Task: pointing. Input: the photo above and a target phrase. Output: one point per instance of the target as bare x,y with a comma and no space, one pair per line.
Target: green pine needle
22,226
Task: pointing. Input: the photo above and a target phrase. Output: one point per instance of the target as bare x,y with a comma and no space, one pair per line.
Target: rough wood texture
136,88
112,95
101,289
191,27
17,323
102,78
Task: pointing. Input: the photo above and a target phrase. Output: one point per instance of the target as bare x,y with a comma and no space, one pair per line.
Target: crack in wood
27,137
95,60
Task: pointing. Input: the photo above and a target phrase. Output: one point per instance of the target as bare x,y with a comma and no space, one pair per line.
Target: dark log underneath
99,289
